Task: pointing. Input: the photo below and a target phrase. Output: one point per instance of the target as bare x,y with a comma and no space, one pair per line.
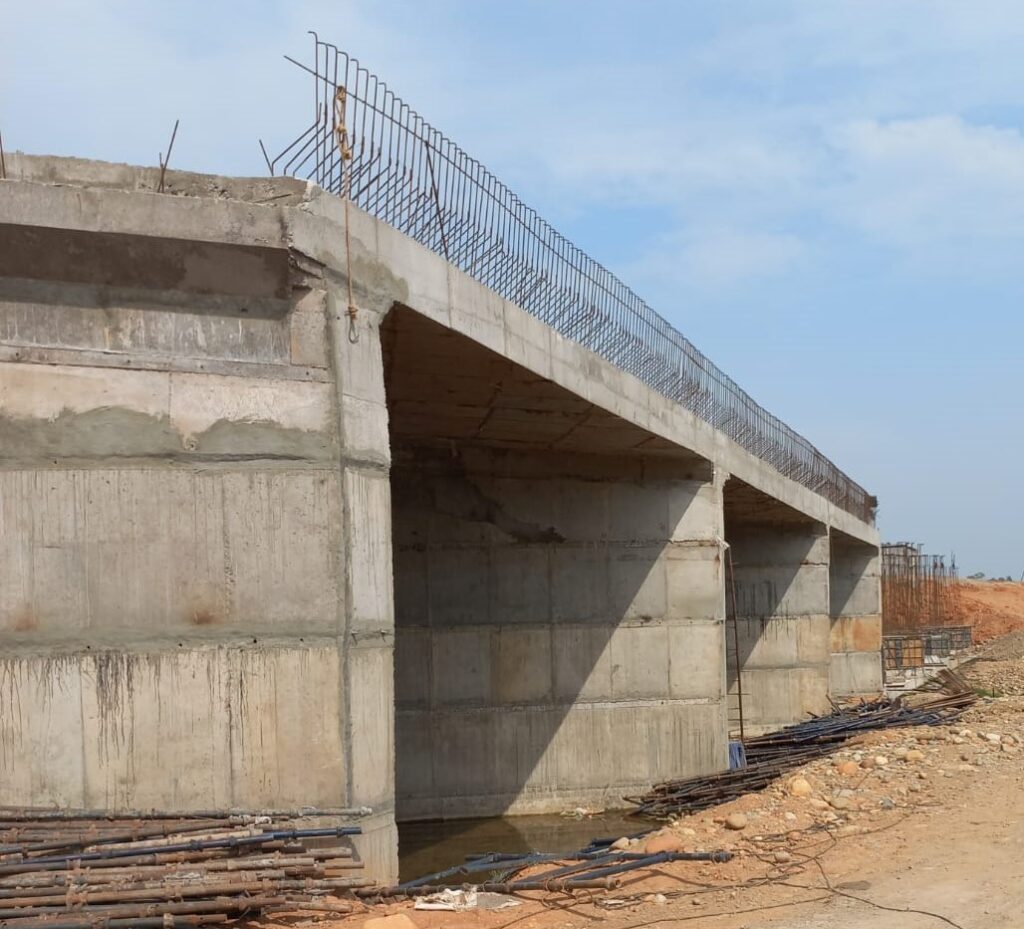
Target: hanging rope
341,141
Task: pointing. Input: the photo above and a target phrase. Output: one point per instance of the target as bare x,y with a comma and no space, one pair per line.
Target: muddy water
426,847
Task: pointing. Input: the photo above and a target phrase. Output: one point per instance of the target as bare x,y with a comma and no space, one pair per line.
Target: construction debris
81,871
772,755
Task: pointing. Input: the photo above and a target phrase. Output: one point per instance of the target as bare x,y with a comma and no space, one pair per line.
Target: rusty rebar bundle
772,755
167,870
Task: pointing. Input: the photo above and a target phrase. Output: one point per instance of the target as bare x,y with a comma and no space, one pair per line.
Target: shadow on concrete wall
852,567
530,540
775,572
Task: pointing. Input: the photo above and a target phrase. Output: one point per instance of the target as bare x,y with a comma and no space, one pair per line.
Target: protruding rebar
409,175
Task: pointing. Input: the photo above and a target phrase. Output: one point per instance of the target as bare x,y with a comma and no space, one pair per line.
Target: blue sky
827,197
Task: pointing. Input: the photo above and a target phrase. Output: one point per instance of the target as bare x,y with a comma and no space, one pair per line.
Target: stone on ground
666,841
800,787
736,821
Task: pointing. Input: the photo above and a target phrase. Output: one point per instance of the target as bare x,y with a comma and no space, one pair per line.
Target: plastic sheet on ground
460,900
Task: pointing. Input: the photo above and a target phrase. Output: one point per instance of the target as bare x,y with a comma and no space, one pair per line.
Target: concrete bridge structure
436,560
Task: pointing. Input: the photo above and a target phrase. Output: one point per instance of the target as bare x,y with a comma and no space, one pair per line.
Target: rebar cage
918,590
368,144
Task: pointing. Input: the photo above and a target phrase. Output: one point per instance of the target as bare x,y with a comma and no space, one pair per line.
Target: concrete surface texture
856,617
207,469
778,598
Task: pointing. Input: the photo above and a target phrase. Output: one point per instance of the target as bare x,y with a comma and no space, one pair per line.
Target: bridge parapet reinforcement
369,146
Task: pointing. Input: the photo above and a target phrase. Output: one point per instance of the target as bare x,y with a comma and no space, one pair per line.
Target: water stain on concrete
23,619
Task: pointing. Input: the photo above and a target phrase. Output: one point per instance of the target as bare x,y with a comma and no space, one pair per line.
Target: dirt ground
994,608
902,829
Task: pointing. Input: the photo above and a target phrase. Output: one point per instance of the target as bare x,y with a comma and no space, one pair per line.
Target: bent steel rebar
408,174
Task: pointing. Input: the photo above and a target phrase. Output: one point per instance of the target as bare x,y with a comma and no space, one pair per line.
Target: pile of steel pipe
74,870
598,866
772,755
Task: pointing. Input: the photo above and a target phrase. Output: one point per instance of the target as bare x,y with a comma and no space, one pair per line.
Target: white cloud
719,258
107,79
672,165
932,183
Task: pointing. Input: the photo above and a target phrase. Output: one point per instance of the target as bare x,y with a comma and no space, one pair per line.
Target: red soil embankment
993,608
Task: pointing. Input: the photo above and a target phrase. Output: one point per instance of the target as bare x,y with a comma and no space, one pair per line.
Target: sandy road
966,865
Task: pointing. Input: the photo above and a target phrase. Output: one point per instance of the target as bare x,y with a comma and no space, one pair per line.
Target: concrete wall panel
695,660
554,651
83,317
370,581
856,673
520,674
461,669
856,635
638,582
640,662
192,728
580,584
777,697
694,581
520,584
167,552
41,732
371,724
582,662
545,760
162,733
413,667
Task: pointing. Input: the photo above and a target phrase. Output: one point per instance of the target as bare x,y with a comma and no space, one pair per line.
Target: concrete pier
855,611
252,551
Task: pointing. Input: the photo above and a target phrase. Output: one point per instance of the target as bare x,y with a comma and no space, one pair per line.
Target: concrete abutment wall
186,605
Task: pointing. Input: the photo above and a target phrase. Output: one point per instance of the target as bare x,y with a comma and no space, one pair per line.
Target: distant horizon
825,199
